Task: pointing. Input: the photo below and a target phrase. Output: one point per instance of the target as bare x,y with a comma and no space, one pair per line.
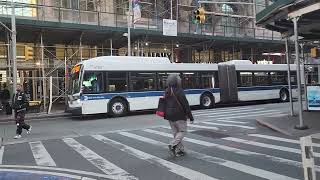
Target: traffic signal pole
14,46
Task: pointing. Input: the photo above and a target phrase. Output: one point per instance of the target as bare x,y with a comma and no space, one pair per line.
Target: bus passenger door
228,83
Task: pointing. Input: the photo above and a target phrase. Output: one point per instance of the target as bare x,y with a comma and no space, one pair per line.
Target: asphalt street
223,143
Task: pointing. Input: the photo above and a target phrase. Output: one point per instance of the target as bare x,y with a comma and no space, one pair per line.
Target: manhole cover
210,134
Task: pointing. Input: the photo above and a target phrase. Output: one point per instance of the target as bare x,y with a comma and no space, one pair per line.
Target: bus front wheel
118,108
206,101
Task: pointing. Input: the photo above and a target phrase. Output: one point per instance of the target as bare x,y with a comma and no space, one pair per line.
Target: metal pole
111,47
129,26
177,11
14,46
65,80
171,9
289,77
138,48
301,125
50,96
44,90
304,78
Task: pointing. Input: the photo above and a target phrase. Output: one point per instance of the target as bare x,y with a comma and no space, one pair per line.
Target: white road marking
264,145
244,116
230,164
228,125
104,165
41,173
41,155
1,153
174,168
203,127
236,122
195,141
228,111
82,173
245,113
221,110
280,139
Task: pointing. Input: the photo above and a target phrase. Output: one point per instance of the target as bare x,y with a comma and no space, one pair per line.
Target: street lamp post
129,26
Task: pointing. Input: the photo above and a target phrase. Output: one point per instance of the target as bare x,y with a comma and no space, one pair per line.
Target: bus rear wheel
118,108
206,101
284,96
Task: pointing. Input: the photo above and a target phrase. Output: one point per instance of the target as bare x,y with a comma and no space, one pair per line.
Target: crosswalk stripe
228,125
230,164
246,113
195,141
264,145
104,165
41,155
227,111
220,110
203,127
280,139
245,116
236,122
175,168
1,153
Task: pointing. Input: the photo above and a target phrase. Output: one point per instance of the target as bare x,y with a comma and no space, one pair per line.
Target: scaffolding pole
44,90
14,46
289,76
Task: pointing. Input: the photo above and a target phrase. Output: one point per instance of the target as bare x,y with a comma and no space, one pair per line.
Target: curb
39,117
275,128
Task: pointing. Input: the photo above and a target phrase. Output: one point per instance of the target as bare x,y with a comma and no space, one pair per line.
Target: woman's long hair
172,84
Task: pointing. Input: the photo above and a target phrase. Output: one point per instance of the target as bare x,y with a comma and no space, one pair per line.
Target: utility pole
14,46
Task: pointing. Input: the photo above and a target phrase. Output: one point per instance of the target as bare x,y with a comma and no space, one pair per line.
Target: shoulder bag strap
179,104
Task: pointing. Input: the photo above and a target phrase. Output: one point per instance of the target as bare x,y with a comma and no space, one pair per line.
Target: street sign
170,27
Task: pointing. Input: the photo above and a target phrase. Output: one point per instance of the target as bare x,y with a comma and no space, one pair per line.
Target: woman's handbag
161,107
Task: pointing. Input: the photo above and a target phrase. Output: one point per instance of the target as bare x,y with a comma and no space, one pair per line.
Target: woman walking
177,111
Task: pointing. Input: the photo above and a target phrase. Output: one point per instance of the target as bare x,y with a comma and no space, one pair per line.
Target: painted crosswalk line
280,139
172,167
269,146
228,125
41,155
203,127
223,110
215,160
101,163
227,112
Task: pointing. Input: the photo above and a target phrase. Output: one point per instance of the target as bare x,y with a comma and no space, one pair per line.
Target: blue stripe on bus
160,93
142,94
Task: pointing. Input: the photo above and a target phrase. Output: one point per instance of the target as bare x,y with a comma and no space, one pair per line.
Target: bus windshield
75,79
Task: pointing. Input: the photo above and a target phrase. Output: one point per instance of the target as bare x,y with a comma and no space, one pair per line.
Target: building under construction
53,35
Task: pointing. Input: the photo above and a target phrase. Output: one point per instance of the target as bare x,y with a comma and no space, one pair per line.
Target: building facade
53,35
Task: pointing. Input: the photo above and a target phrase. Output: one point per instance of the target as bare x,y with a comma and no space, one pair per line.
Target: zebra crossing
142,154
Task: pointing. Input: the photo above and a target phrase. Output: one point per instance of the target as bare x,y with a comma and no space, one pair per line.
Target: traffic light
200,15
28,52
314,52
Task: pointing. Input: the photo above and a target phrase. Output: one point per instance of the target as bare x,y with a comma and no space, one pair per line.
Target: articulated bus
119,84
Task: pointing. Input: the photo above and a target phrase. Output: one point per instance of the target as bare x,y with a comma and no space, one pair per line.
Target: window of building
93,82
117,81
88,5
228,23
142,81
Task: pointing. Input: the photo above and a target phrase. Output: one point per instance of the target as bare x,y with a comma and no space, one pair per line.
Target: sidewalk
37,116
286,124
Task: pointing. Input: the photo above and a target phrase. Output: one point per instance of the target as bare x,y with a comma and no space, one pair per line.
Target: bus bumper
74,110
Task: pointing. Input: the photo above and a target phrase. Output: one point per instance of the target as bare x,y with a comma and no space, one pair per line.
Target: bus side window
117,82
245,79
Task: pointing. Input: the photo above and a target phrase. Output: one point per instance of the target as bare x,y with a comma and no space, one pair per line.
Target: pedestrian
19,104
177,111
5,99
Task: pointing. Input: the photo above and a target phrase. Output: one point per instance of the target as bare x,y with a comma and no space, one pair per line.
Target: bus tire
207,101
284,95
118,107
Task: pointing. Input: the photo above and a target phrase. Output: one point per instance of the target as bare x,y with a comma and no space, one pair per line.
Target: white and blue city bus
119,84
